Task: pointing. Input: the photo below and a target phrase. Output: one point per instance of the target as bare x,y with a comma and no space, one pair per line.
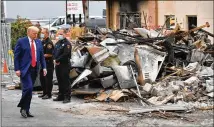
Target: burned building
153,14
123,14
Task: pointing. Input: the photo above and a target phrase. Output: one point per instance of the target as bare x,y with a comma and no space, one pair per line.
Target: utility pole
86,10
66,11
2,12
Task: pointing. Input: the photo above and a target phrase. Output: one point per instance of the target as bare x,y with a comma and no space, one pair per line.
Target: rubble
178,108
124,76
156,68
209,86
159,100
192,80
11,87
147,87
114,95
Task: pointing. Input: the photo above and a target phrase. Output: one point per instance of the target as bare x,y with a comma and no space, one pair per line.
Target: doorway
192,20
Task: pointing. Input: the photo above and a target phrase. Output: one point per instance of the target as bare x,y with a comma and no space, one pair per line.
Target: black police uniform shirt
62,51
48,48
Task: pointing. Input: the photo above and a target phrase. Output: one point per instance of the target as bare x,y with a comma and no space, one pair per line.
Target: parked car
96,22
59,22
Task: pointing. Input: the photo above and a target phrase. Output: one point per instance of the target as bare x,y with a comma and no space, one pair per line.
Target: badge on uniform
44,45
68,46
49,46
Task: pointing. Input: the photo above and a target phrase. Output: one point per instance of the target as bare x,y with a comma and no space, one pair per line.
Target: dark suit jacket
22,55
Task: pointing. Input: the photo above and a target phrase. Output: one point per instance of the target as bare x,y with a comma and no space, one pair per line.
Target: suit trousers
62,74
47,81
27,87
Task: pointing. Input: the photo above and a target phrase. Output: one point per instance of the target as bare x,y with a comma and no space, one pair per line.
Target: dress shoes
23,113
29,114
66,100
46,97
58,99
40,96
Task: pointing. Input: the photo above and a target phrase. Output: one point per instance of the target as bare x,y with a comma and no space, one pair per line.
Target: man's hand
56,63
44,72
18,73
47,55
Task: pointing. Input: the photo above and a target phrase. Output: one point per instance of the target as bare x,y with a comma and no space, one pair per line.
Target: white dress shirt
34,45
44,70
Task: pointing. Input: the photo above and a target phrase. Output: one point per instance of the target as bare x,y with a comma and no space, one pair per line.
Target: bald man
28,55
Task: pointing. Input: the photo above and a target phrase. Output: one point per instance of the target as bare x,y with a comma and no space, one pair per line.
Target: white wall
165,8
181,9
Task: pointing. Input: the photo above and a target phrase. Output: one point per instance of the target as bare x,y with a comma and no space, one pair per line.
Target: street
79,113
50,113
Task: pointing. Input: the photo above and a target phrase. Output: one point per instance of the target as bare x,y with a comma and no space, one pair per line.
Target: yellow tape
10,52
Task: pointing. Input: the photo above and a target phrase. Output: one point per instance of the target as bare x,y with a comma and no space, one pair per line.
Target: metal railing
6,51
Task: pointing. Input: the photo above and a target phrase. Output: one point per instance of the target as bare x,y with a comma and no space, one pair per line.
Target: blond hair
34,28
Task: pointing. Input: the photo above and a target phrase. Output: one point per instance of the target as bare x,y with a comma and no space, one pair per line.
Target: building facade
119,13
187,13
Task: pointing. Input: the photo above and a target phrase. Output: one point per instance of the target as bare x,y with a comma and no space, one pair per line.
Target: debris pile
157,69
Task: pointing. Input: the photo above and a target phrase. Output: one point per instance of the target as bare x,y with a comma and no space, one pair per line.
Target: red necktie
33,61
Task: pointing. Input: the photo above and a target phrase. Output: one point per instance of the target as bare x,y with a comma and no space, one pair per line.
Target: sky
46,9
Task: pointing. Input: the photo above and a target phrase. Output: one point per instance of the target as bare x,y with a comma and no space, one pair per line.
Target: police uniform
46,81
62,55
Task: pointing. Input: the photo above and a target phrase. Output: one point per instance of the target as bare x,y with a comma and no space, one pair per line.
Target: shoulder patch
68,46
49,46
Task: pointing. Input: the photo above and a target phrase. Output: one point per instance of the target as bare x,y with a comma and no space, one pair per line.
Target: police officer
62,56
46,81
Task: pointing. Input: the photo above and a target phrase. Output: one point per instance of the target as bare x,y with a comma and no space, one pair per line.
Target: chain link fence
6,52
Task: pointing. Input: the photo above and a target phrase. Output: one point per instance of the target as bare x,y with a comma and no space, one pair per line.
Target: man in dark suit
28,55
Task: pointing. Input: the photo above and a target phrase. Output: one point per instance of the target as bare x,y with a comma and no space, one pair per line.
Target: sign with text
74,7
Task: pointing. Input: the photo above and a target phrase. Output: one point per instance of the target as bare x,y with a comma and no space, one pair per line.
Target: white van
54,24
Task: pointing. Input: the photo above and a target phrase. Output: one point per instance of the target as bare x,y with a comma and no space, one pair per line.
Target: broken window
129,15
192,20
170,21
130,20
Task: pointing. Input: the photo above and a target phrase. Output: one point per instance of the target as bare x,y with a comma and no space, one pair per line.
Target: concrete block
192,67
191,80
154,92
147,87
211,94
209,86
204,98
173,86
159,100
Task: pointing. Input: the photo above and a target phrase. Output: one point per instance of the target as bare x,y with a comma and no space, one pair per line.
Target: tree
19,29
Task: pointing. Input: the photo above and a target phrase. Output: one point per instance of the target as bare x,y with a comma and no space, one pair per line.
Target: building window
192,21
170,21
